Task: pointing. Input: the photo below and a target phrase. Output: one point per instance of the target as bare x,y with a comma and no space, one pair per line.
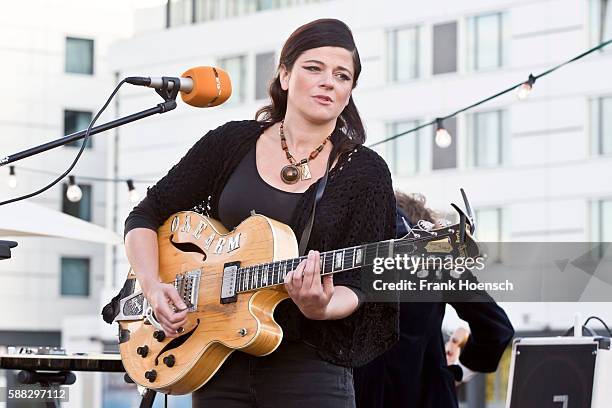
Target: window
484,34
403,153
445,48
236,68
80,209
601,126
75,121
403,54
235,8
266,4
601,221
488,224
264,71
486,139
180,12
445,158
74,279
601,227
489,231
601,21
207,10
79,56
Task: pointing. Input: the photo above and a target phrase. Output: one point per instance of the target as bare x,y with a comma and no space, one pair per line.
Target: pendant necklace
295,171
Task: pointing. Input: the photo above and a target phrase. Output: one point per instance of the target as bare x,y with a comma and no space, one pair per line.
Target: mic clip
168,93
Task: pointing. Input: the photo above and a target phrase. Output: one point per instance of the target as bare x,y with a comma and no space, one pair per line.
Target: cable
91,178
602,322
438,121
78,156
505,91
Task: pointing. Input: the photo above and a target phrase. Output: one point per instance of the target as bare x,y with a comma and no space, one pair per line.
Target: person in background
414,372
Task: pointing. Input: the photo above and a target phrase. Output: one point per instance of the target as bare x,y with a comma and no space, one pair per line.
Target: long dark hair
319,33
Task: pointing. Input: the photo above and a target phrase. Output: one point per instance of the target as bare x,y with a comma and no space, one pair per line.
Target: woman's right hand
163,298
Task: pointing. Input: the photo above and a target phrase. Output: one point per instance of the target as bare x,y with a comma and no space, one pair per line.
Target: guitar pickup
228,282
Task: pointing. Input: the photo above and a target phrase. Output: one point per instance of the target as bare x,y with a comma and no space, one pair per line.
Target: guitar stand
47,380
55,379
147,398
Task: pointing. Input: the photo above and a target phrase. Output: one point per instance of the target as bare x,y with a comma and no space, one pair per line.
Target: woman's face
320,83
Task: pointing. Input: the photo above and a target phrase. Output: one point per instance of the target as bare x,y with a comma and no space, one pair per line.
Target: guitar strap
320,188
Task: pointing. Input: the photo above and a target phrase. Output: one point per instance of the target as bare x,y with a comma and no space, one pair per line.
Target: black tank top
246,190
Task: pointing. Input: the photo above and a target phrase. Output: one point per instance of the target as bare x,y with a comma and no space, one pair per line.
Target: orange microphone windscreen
211,87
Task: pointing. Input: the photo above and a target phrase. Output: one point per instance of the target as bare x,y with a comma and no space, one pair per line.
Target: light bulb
132,192
134,196
525,88
12,178
523,91
12,181
443,138
74,192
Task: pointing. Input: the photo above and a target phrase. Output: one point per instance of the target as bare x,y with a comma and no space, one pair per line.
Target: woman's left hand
306,289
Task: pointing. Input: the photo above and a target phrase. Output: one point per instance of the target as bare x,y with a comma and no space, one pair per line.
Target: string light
523,91
132,192
74,192
443,138
526,88
12,178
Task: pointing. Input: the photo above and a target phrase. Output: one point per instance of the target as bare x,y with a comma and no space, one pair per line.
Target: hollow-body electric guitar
231,283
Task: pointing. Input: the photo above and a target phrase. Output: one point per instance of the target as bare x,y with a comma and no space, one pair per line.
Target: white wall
36,90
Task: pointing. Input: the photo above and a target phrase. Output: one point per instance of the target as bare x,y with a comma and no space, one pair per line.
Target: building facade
55,63
533,169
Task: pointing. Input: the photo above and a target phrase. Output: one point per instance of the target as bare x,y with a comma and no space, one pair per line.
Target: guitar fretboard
273,273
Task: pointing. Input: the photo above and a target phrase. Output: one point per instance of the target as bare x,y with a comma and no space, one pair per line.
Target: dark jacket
358,186
414,373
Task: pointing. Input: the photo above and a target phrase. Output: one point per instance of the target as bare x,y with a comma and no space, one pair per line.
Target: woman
273,166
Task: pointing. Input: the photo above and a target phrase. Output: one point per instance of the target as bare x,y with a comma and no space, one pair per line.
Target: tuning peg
468,210
462,222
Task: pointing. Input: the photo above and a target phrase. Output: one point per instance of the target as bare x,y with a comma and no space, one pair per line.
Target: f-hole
177,342
187,247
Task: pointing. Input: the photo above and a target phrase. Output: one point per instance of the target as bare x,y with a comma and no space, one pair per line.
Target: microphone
201,87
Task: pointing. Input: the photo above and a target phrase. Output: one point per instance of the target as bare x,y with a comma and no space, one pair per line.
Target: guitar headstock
454,240
466,219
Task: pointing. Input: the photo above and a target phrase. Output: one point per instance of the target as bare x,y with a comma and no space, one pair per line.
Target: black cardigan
358,207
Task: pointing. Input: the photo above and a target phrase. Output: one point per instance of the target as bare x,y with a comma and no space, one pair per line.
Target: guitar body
231,283
191,242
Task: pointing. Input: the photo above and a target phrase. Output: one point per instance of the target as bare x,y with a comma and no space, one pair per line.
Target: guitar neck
273,273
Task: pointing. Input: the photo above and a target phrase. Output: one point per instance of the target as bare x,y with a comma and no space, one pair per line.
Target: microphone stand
169,104
169,95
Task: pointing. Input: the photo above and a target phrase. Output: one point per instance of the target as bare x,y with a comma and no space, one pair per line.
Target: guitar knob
151,375
169,360
142,351
159,335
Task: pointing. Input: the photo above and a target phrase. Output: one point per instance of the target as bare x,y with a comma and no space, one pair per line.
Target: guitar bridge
188,287
228,283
